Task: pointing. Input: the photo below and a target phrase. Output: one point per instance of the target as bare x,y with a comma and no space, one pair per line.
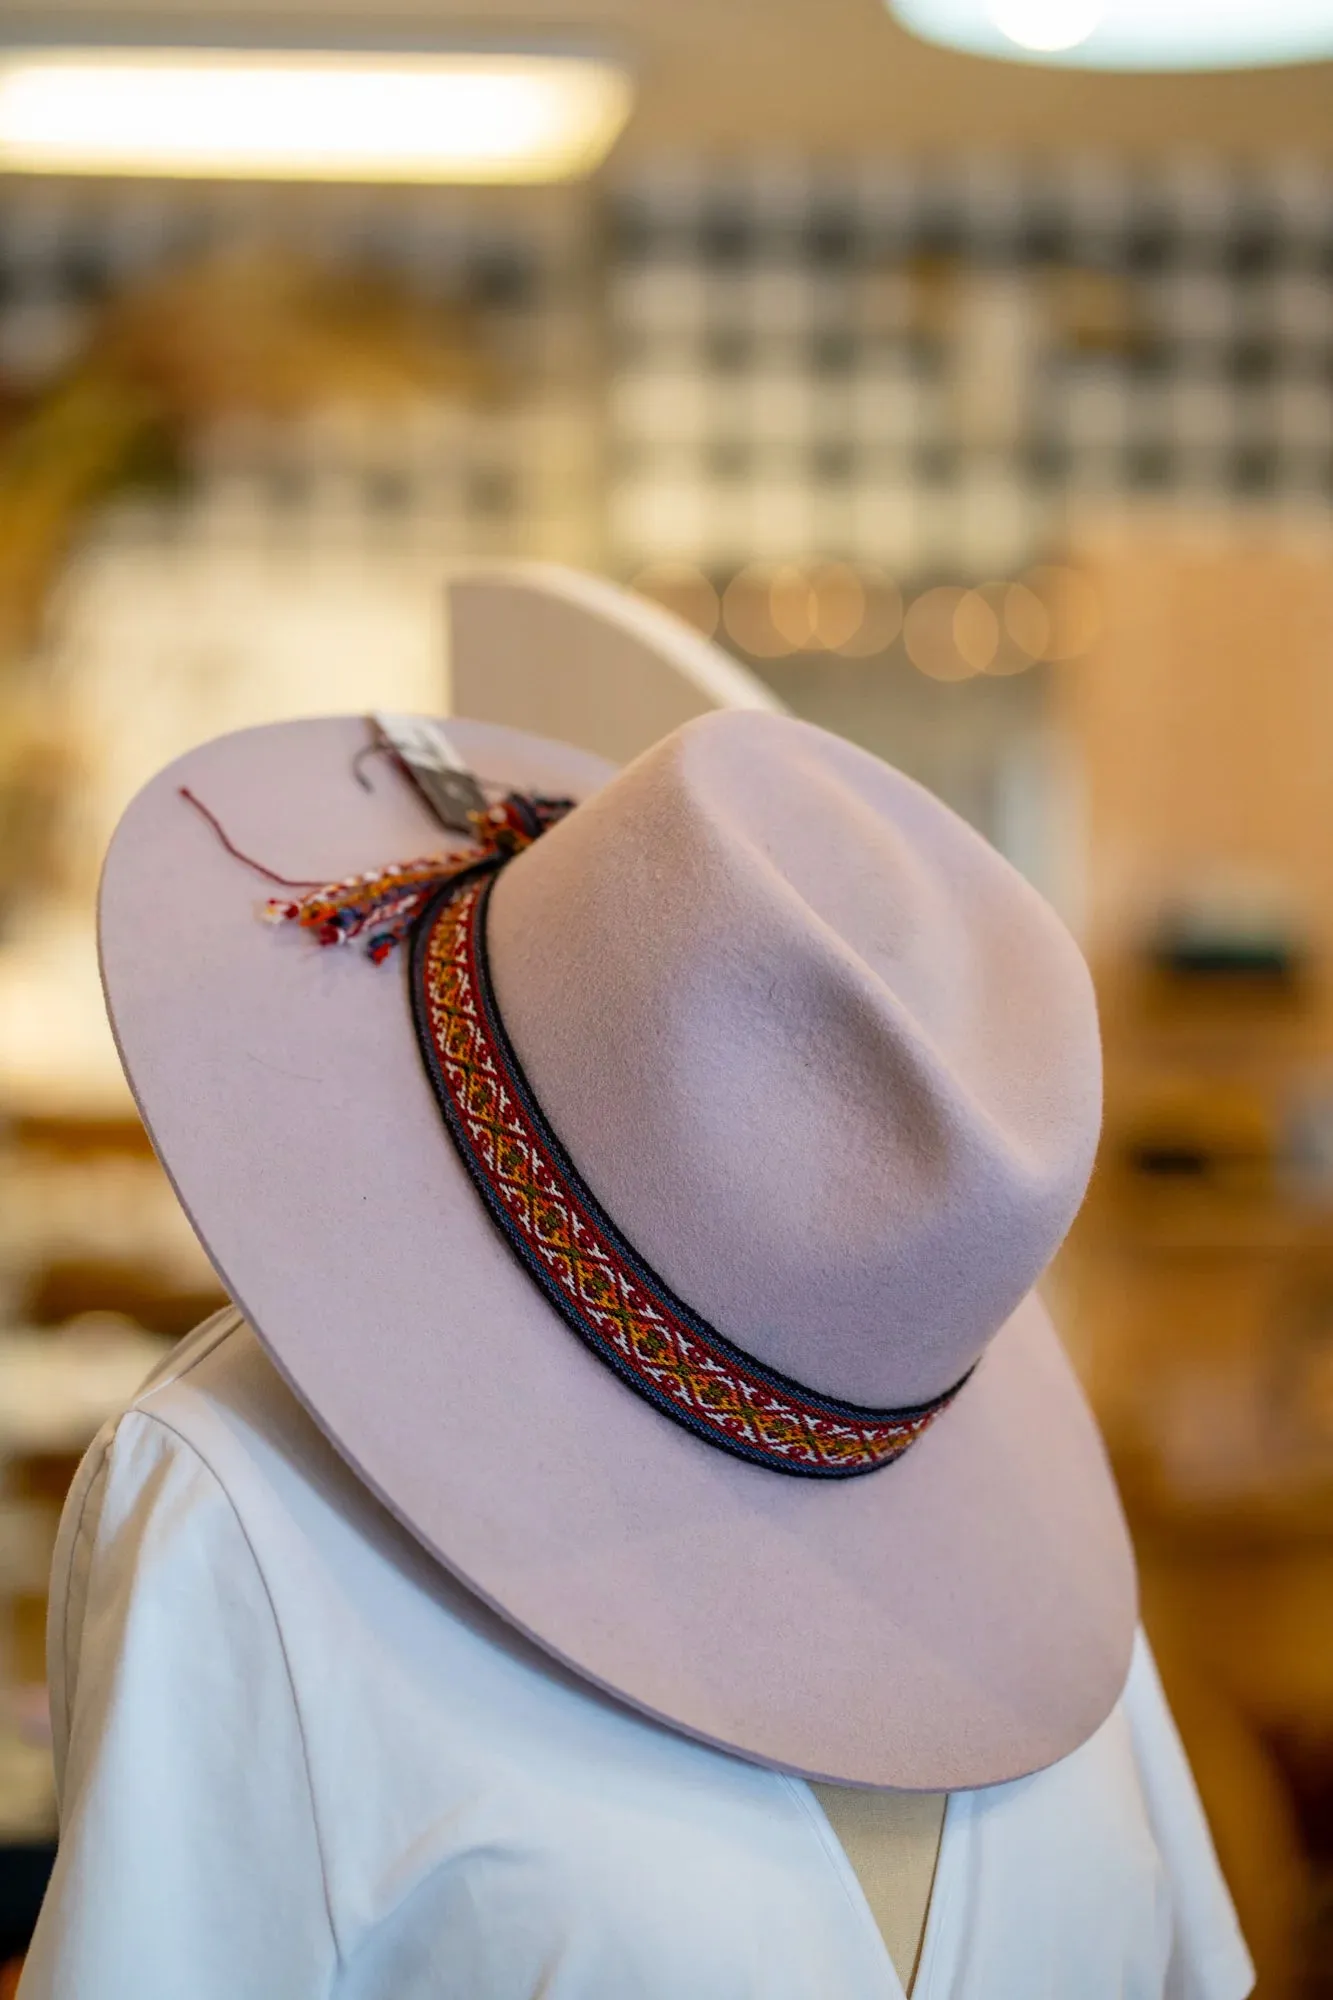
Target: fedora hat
656,1233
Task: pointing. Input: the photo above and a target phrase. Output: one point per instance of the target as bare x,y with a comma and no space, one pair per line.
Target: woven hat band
617,1305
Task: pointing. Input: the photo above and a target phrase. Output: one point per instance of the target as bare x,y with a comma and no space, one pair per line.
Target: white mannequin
562,654
295,1756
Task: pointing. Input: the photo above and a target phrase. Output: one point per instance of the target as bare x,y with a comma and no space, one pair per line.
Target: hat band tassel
379,908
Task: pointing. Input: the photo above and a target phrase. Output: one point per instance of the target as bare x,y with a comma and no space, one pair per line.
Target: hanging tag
421,747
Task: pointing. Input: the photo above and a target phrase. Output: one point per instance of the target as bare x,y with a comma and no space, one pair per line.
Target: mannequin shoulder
127,1463
219,1396
222,1362
166,1481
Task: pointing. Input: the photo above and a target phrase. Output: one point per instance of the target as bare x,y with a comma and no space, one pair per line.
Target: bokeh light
1072,608
683,589
793,607
930,636
1027,623
976,630
840,605
881,618
774,610
747,613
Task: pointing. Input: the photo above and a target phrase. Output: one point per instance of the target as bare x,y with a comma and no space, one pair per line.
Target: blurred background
981,404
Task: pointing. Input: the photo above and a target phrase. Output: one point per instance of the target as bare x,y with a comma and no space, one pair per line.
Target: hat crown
824,1057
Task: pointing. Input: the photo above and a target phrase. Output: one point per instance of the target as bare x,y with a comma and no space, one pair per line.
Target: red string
283,881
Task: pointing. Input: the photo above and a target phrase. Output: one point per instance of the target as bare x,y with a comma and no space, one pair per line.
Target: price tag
422,749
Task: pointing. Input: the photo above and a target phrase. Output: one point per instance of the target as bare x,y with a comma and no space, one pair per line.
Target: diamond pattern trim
616,1304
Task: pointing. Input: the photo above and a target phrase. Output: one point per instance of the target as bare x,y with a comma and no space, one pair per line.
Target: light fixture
414,115
1129,34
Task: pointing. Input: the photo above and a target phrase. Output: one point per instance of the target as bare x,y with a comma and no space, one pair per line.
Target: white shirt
298,1762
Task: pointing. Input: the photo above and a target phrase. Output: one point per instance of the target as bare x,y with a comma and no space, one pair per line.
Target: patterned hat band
611,1298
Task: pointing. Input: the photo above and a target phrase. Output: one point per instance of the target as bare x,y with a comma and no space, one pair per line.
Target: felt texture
830,1130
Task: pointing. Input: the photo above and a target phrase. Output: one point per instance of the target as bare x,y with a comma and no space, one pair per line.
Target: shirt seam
164,1424
96,1474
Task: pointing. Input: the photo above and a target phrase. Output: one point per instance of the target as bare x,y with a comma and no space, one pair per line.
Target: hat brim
959,1618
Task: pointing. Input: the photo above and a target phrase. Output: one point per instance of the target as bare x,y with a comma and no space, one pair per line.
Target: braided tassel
381,907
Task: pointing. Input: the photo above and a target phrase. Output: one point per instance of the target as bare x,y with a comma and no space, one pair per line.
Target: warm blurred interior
985,412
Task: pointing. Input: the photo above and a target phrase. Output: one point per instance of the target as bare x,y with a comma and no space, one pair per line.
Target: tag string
269,874
381,906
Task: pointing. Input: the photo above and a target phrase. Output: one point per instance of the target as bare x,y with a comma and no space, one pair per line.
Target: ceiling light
1129,34
308,115
1046,26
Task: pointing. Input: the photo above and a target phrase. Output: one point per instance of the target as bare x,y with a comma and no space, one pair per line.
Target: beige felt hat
656,1232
